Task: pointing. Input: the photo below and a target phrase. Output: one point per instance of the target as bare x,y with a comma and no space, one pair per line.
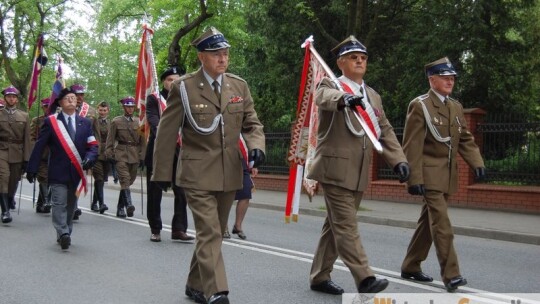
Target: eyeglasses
355,57
70,98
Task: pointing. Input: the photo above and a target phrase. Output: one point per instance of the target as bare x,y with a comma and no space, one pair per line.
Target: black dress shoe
65,241
454,283
327,287
76,214
218,298
103,208
94,207
240,233
195,295
416,276
372,285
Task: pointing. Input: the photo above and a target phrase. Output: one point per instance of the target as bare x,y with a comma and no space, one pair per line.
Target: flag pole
371,136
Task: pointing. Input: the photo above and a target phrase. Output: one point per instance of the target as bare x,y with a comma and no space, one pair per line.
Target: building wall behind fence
470,194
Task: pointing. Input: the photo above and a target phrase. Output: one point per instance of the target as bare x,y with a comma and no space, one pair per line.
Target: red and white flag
304,133
147,82
40,60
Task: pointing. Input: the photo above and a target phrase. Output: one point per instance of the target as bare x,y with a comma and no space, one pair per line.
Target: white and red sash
84,109
244,150
368,114
71,151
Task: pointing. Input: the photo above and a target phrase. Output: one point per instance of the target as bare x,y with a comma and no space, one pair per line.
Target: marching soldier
100,171
15,146
84,109
213,108
341,166
126,147
435,132
43,205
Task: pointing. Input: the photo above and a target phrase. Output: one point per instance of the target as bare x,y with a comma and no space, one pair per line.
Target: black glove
353,101
164,186
30,177
87,164
402,169
417,190
257,156
480,173
141,164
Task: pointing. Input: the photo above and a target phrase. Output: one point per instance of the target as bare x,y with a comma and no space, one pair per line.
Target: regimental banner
304,133
147,82
40,60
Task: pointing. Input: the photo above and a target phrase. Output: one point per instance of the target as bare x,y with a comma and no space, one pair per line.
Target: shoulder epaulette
234,76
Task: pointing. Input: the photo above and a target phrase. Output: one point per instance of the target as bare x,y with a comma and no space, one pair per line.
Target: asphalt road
111,260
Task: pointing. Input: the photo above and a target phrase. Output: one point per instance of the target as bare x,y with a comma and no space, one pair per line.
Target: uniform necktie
70,129
216,89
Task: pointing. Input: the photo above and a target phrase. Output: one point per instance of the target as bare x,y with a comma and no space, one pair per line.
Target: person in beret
42,205
15,147
126,147
341,166
72,149
100,171
154,108
212,107
84,109
435,133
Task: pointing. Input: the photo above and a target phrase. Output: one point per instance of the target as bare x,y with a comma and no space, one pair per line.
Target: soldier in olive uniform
42,205
435,132
100,171
341,165
15,148
126,147
212,108
84,109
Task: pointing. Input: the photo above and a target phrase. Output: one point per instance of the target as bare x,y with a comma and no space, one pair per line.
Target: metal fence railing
511,150
510,147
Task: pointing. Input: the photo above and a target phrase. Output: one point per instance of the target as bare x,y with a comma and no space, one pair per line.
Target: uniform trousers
64,203
433,227
100,170
210,213
340,237
43,171
10,175
153,206
126,173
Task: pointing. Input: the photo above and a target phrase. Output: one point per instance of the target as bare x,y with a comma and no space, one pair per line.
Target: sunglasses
355,57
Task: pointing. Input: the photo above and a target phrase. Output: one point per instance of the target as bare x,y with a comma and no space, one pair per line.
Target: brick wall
469,194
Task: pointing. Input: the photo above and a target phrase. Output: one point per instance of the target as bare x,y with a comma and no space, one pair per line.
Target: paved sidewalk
498,225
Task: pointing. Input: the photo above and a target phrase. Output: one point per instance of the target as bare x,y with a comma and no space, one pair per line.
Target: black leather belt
11,140
128,143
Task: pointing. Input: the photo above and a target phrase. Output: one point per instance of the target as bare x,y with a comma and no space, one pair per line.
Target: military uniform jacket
341,158
15,143
207,162
102,126
124,142
35,126
428,158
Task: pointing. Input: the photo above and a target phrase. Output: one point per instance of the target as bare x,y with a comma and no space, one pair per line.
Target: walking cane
20,194
33,195
91,188
142,193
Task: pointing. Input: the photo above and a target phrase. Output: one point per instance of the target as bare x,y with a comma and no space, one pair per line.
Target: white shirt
211,81
73,124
